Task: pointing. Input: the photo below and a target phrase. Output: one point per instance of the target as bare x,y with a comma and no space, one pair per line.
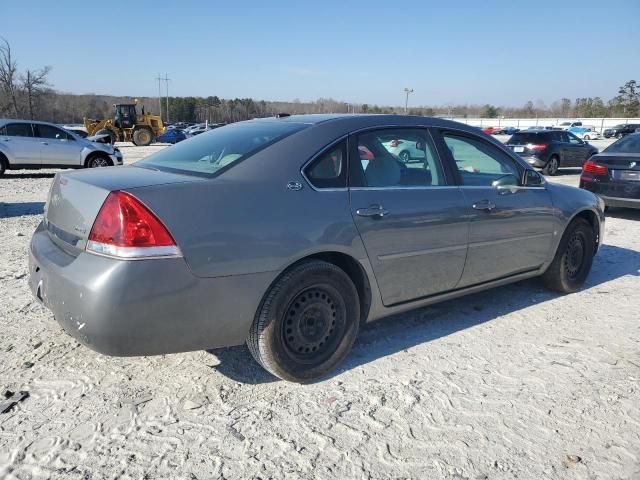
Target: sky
366,51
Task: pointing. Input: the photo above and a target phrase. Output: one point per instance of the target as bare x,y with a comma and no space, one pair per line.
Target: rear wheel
573,259
551,168
619,135
142,137
307,323
99,160
587,137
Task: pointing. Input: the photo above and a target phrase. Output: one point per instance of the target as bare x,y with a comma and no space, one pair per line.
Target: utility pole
407,91
166,80
159,79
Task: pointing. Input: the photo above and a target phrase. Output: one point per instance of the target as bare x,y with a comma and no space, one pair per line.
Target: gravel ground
516,382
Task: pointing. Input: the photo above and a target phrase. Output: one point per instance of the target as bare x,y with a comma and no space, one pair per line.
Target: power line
159,79
166,81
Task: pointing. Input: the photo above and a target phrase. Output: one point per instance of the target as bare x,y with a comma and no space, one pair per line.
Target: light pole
407,91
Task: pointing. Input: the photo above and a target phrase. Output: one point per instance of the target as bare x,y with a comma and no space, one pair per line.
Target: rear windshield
211,152
523,138
628,144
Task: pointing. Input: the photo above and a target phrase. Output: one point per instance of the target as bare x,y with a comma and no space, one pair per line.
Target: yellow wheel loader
127,126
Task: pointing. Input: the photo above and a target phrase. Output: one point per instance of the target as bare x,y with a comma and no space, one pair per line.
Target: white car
567,125
585,133
34,145
406,150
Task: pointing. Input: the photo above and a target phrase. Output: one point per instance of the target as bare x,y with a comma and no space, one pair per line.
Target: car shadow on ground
11,176
8,210
400,332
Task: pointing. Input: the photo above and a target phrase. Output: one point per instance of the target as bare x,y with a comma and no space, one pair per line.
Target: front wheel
587,137
573,259
142,137
307,322
3,165
405,156
619,135
551,168
98,161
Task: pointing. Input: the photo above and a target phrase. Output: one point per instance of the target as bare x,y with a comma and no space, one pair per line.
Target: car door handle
44,143
484,205
372,211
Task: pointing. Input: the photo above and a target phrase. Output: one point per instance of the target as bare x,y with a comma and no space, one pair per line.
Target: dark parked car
506,130
621,130
551,149
172,135
289,233
614,174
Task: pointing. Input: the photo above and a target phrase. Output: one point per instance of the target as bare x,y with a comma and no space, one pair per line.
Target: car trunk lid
75,198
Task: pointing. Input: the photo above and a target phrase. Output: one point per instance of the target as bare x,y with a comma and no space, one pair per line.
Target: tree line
28,94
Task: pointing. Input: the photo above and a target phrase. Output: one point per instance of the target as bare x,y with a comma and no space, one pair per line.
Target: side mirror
533,179
505,181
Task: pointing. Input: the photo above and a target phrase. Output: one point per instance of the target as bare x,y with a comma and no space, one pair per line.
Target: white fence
599,124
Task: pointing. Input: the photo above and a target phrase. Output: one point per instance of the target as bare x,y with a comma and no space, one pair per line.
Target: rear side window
18,130
329,169
212,152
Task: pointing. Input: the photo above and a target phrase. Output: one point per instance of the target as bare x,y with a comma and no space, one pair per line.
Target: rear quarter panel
247,221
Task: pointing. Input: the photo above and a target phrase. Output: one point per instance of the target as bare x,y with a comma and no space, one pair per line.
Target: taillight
595,169
126,228
538,147
395,143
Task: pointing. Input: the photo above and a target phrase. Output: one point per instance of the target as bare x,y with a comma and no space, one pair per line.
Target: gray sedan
289,233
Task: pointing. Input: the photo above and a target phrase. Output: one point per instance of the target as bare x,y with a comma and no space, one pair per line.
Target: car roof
363,120
4,121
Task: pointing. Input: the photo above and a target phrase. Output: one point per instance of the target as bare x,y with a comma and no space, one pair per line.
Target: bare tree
34,83
8,74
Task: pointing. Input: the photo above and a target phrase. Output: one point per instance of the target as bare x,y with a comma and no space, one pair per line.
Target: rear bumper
621,202
141,307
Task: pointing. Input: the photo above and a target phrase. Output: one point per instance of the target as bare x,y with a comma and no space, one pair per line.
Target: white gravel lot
517,382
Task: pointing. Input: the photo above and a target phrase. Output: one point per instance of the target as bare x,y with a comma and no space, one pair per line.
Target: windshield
628,144
210,152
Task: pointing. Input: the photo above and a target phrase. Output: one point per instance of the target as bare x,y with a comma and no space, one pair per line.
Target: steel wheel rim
314,324
144,137
404,156
575,255
553,165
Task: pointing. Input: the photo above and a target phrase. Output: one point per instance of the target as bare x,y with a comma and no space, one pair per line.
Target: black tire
619,135
404,156
572,262
3,164
306,323
112,135
98,160
551,168
587,137
142,137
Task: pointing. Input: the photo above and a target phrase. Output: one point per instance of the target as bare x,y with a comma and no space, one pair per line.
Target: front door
57,147
410,217
511,228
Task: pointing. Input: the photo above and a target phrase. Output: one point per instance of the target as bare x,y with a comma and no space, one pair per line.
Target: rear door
57,147
510,230
17,138
411,218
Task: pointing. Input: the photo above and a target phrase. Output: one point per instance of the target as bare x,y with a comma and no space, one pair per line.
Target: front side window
210,153
48,131
573,139
329,169
18,130
396,158
479,163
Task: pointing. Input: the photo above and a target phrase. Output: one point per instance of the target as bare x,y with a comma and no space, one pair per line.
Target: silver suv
30,144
